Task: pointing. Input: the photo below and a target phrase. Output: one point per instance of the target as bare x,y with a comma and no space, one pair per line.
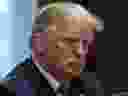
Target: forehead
68,26
63,35
61,29
73,23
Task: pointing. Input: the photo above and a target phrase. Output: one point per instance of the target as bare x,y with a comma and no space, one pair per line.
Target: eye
57,46
60,44
70,41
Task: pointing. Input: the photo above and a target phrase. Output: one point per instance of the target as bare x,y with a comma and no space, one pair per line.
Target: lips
72,60
72,64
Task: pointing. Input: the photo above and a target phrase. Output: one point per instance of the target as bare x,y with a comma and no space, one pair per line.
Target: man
63,49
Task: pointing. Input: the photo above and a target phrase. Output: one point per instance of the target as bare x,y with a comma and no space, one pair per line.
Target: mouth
72,66
72,61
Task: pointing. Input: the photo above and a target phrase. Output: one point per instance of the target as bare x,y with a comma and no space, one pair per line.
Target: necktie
76,88
71,88
60,90
64,88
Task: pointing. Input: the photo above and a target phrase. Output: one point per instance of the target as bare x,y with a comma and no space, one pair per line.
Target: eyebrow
72,39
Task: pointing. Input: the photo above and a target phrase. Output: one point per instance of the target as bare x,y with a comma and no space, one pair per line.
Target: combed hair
57,9
65,9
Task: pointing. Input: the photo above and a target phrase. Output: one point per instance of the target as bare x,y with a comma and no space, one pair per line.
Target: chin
76,74
69,75
72,76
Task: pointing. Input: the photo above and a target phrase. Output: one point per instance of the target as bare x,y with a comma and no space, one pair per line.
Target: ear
39,41
88,23
39,44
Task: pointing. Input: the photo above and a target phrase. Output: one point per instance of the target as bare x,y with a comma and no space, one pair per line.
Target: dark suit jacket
28,82
31,82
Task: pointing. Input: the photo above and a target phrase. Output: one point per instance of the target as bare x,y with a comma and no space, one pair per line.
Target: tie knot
64,87
61,89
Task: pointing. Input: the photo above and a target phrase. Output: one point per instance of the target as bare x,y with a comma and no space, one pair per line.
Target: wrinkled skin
64,42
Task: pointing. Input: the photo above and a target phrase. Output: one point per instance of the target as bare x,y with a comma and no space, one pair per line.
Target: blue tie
23,88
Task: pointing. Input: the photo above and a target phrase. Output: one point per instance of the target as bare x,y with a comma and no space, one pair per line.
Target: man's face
64,50
64,44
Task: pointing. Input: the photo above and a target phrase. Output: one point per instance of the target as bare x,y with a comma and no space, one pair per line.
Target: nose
79,51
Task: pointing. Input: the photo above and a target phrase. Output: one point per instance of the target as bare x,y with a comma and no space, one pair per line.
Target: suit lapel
37,81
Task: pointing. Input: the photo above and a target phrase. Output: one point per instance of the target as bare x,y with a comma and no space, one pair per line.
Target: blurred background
15,28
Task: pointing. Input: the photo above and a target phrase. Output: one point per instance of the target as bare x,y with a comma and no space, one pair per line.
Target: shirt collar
52,81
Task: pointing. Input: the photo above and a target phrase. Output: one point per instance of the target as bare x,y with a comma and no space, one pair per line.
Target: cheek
84,46
67,51
81,49
54,53
82,59
52,48
84,51
39,44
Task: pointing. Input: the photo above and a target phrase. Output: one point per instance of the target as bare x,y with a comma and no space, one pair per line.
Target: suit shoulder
18,71
19,68
8,87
